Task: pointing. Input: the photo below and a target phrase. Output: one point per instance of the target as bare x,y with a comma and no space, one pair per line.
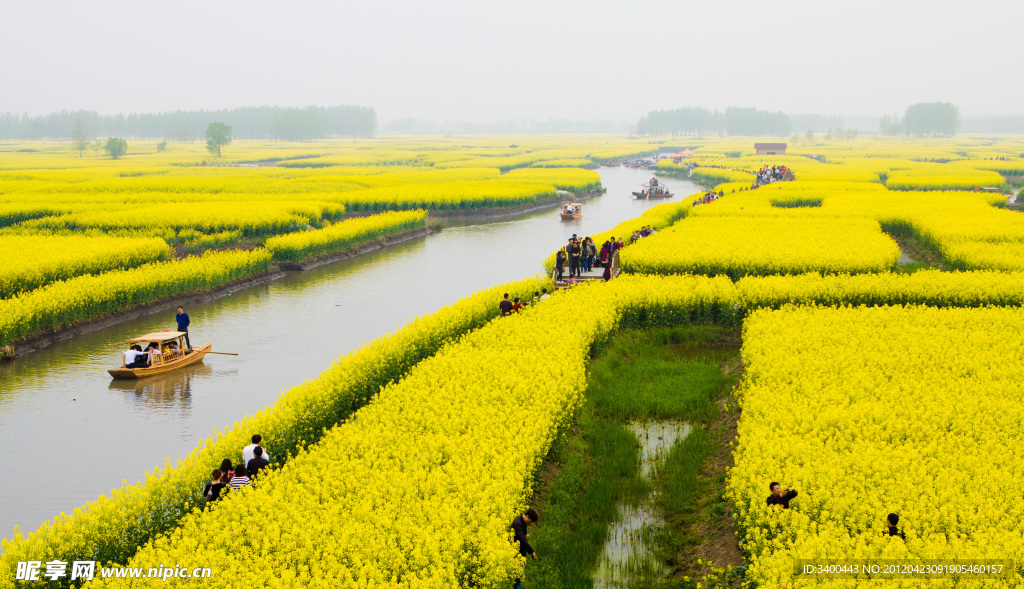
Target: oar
222,353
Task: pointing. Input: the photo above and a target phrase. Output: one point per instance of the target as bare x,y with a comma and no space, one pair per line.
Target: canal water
69,433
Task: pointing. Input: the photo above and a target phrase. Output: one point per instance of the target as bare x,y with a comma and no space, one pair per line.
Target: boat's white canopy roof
157,336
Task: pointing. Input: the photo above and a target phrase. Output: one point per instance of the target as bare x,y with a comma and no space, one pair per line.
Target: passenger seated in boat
173,350
155,356
134,357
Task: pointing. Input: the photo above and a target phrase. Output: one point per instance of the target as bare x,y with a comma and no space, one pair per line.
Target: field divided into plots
869,388
112,234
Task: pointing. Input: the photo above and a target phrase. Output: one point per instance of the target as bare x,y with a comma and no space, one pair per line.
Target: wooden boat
657,191
573,210
167,360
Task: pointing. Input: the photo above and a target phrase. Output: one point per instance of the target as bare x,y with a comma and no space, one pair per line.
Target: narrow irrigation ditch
633,494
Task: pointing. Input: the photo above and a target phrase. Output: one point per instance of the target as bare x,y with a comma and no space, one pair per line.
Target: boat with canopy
164,351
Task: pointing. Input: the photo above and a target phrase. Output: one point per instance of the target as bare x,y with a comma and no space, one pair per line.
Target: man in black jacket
519,528
574,258
257,463
892,521
780,496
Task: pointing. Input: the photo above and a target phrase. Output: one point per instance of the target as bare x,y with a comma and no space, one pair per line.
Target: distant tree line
924,119
704,121
261,122
998,124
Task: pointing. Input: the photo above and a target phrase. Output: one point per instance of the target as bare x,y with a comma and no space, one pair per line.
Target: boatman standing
183,322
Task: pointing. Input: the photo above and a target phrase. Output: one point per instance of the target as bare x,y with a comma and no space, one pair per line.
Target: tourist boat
657,191
573,210
168,360
645,164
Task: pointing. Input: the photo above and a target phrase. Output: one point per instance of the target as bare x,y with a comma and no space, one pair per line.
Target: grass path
683,374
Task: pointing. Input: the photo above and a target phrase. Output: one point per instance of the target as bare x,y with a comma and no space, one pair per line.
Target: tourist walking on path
519,528
215,486
227,468
183,323
505,306
240,479
249,452
257,463
560,263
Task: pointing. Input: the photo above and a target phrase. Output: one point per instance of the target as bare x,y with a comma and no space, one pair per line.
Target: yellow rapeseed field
409,457
870,411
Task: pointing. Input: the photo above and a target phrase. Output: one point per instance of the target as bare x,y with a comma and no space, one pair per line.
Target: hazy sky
493,60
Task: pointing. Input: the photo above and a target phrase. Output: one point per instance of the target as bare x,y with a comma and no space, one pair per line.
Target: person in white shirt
135,357
247,452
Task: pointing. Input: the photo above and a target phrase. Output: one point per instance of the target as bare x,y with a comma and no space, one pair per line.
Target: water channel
69,433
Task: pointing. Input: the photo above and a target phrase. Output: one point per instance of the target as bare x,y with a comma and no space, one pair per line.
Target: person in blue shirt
183,322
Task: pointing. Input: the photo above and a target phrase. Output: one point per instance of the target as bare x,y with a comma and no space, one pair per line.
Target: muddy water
627,550
69,433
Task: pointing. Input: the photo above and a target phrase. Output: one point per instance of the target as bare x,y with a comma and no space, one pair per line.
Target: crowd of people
641,233
231,477
582,255
767,175
711,196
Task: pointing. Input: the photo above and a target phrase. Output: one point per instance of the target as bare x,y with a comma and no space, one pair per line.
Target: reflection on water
285,332
172,390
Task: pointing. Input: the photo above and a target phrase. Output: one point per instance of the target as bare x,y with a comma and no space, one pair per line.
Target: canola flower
867,411
344,234
943,179
459,438
849,189
745,246
111,528
206,216
65,302
31,261
447,438
963,227
421,419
